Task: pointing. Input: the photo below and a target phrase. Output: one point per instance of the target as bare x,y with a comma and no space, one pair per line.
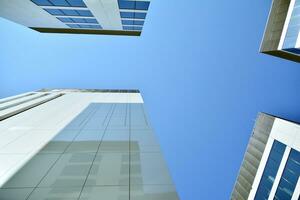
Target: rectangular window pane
42,2
85,13
138,28
73,25
95,27
142,5
126,4
59,3
129,28
84,26
79,20
70,12
140,15
127,22
92,21
133,15
138,22
292,31
270,171
76,3
289,177
127,14
54,11
64,19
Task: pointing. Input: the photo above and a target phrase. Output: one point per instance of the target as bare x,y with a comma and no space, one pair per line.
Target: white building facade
80,144
271,166
117,17
282,36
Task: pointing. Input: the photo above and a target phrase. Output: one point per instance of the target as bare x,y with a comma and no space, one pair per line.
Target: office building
111,17
80,144
281,36
271,165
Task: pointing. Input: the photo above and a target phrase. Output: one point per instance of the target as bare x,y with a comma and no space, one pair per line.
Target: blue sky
198,67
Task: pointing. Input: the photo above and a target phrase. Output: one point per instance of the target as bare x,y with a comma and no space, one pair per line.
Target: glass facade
78,20
133,14
289,177
293,30
270,171
62,3
71,17
108,151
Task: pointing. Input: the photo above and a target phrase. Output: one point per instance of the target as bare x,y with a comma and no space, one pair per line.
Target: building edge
252,157
87,31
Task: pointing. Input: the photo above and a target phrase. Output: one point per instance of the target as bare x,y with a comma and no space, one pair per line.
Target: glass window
270,171
289,177
133,28
76,3
129,28
73,25
92,21
140,15
70,12
138,22
127,22
79,20
126,4
133,15
64,3
54,11
64,19
84,26
85,13
142,5
127,14
59,2
293,30
42,2
138,28
293,50
95,27
138,5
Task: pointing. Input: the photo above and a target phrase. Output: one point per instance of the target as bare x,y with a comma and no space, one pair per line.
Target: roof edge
86,31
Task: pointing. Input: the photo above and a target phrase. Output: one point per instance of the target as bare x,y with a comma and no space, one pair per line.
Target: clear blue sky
198,67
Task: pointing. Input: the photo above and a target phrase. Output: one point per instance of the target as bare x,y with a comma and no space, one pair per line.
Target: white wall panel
23,135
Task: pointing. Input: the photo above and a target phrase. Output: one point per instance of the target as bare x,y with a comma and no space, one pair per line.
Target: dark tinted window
138,22
59,2
270,171
76,3
126,4
140,15
142,5
127,14
289,177
127,22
